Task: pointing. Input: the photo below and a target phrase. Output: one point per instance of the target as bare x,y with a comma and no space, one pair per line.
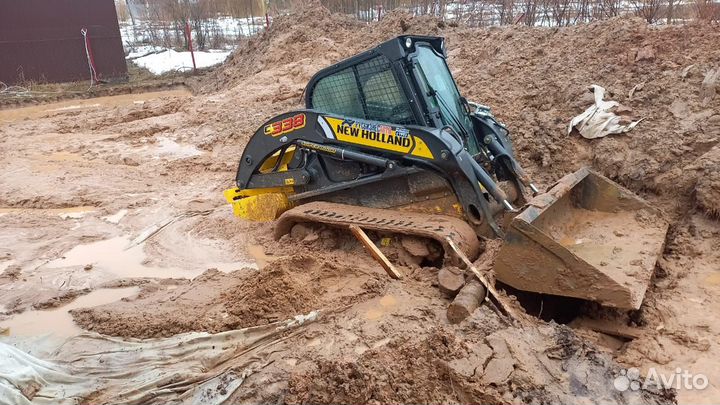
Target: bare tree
707,10
608,8
647,9
529,12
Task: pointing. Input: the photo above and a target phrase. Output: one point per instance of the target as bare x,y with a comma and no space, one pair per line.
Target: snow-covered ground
224,27
147,43
166,60
134,52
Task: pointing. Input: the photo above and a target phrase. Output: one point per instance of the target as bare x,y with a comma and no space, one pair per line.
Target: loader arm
382,150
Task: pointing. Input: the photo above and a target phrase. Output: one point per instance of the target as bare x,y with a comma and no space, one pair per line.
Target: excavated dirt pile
114,195
536,80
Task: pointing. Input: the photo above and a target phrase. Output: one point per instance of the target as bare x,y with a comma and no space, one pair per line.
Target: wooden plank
375,252
491,292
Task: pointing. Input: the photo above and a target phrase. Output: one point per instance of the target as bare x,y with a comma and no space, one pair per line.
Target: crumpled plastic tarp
190,368
598,120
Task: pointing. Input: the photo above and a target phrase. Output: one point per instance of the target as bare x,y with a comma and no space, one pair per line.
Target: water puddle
124,259
114,256
58,321
69,106
69,212
257,252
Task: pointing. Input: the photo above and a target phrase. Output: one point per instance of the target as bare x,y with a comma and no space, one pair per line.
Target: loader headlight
408,43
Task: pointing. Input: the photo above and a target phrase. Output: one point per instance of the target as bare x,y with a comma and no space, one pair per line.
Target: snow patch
171,60
143,50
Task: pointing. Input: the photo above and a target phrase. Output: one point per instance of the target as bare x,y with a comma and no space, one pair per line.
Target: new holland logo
374,132
379,136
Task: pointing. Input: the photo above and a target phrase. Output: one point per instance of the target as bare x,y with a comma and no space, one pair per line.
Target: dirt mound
307,36
310,38
280,291
537,79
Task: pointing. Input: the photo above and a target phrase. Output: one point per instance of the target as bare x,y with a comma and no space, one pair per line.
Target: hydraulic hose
490,186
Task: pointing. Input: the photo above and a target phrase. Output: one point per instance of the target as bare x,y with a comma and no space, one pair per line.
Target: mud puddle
123,259
257,253
71,106
69,212
58,321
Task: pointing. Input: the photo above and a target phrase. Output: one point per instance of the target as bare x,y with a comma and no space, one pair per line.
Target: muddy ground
112,220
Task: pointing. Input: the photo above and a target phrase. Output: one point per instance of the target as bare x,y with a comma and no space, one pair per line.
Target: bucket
587,238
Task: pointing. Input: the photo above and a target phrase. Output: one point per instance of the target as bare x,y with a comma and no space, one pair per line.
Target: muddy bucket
588,238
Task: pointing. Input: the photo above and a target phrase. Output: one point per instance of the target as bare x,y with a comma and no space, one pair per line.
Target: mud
75,106
58,321
217,301
129,195
707,189
546,366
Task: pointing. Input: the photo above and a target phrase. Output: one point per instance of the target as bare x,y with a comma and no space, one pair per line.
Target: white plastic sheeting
599,120
23,377
191,368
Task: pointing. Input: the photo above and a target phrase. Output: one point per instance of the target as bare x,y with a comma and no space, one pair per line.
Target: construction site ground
112,221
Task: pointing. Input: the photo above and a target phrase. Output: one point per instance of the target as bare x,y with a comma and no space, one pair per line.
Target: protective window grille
339,94
368,90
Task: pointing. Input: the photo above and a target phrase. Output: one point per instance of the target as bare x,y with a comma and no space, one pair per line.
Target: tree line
163,21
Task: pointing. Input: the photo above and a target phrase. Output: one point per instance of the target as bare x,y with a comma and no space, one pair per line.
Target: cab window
438,80
367,90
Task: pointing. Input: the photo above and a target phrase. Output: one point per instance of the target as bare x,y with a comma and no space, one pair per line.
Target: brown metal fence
40,40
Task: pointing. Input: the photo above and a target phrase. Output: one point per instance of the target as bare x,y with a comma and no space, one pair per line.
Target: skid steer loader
387,142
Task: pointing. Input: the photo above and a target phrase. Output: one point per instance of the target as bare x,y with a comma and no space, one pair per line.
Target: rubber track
437,227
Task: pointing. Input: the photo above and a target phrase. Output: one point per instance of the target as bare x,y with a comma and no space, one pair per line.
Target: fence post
190,46
266,5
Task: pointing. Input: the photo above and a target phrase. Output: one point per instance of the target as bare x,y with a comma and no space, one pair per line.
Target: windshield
447,99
